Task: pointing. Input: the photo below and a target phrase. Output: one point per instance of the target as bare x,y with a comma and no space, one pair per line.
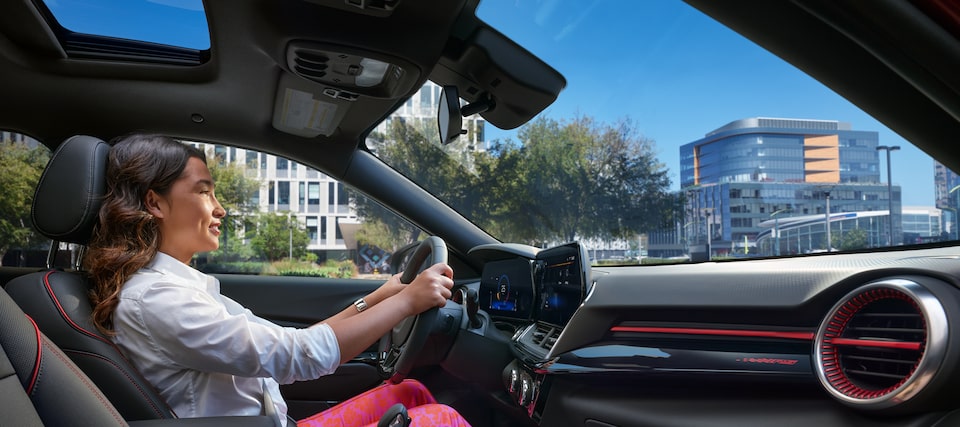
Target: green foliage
309,257
331,269
234,191
568,180
276,235
850,240
659,261
236,267
20,169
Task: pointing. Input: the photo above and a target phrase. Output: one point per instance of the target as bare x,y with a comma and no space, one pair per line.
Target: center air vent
881,344
545,336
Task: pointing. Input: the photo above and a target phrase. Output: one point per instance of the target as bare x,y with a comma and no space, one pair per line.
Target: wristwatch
361,305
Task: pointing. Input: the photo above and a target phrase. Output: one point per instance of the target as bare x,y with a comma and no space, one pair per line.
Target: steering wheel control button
361,305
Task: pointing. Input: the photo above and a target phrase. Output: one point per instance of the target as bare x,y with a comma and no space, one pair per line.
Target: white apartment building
319,202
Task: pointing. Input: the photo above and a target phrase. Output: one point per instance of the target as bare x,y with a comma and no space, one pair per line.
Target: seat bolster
60,393
58,302
64,395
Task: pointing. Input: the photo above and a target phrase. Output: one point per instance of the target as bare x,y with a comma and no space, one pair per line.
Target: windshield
674,138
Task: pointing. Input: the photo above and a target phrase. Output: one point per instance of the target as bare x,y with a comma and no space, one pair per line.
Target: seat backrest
39,385
65,209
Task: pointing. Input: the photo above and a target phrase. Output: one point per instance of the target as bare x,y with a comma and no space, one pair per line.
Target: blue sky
673,71
679,75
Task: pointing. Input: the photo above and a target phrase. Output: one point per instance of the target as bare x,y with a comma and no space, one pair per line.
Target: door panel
301,302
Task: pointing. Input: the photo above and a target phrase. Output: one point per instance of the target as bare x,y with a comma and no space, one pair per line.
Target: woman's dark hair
127,237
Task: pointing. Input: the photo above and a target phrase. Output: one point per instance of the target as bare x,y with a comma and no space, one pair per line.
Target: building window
283,193
301,194
220,154
312,228
331,196
323,230
313,193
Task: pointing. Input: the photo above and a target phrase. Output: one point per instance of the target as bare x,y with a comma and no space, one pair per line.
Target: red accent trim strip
904,345
36,364
721,332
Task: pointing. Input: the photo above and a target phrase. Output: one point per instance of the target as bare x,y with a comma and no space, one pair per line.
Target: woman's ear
153,204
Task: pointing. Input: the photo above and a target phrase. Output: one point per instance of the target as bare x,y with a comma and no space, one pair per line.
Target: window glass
22,160
180,23
353,239
692,144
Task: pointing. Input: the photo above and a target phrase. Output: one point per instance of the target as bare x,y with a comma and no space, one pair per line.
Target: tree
413,149
235,192
276,236
582,179
20,169
851,240
567,180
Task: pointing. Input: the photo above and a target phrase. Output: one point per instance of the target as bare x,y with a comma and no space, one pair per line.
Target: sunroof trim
127,41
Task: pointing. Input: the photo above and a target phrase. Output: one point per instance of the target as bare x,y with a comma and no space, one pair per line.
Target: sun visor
486,64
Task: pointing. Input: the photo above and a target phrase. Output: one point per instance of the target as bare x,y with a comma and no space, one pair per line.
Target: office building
745,178
947,194
320,203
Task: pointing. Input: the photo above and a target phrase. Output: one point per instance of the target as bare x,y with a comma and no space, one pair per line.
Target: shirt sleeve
195,330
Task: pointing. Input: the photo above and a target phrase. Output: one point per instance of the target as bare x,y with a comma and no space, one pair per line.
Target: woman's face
189,214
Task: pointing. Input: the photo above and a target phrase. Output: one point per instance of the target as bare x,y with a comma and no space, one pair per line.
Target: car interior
759,341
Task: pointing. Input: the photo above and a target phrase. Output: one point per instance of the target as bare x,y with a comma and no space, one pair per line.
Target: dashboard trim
806,336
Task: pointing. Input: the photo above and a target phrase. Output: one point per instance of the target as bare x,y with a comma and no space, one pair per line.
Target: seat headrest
68,197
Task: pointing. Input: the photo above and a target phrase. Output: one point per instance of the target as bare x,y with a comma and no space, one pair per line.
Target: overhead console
325,80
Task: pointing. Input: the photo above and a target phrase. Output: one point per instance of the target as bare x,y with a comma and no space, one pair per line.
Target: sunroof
178,23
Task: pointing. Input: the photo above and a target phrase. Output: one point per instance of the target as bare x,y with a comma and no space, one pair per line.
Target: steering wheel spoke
400,347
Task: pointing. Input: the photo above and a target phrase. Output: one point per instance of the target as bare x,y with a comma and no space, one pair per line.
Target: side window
22,160
276,223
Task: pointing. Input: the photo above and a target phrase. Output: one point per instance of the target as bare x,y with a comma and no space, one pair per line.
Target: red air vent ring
836,337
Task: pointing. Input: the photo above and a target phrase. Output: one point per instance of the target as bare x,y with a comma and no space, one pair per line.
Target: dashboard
867,339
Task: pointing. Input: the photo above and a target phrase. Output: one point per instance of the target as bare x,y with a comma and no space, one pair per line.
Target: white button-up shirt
205,353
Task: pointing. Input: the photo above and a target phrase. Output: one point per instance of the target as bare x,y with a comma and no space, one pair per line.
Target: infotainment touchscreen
561,283
506,288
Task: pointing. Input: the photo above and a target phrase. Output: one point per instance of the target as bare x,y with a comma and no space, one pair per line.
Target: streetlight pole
776,228
956,211
829,239
888,149
709,249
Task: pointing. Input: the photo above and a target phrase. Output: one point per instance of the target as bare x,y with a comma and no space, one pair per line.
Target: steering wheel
399,348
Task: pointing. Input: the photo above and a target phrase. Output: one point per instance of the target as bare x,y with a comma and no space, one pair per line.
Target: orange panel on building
821,159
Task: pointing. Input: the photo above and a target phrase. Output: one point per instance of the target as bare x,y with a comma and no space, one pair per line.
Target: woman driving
205,353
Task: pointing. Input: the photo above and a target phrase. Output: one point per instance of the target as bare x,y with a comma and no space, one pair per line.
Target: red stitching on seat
36,364
93,388
63,313
74,325
129,378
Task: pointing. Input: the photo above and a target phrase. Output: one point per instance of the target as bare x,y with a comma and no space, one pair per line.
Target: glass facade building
741,180
947,193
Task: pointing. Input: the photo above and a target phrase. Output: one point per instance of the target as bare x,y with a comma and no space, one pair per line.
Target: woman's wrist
382,293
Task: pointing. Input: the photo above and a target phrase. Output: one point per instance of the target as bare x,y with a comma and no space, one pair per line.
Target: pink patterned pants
366,408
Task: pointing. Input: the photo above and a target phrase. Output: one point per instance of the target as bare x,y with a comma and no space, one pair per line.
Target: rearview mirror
449,117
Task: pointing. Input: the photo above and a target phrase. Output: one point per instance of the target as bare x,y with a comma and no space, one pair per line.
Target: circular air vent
881,344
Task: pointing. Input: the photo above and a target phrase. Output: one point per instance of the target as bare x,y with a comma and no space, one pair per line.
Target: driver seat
65,209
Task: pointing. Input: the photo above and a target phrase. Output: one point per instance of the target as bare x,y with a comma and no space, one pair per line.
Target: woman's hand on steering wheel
431,288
